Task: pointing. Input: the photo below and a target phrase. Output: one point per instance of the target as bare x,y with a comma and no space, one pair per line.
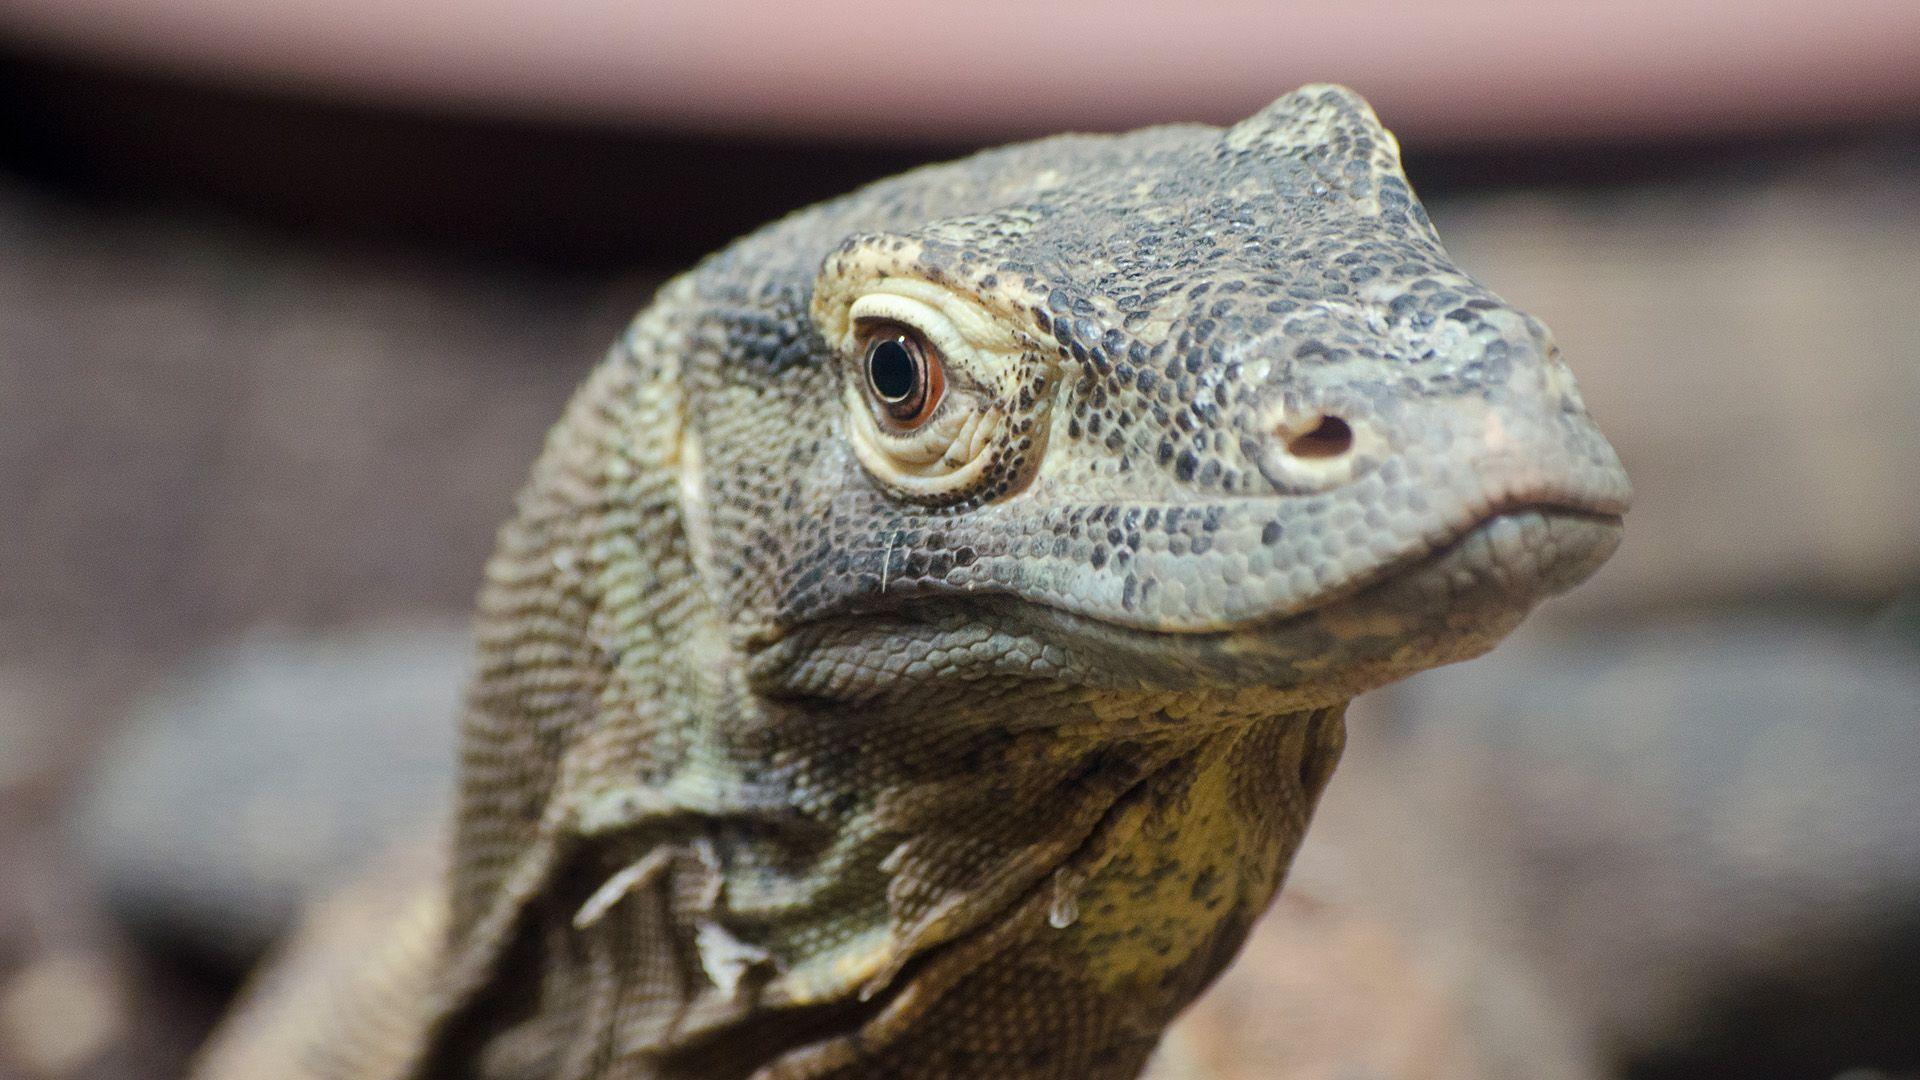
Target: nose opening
1330,438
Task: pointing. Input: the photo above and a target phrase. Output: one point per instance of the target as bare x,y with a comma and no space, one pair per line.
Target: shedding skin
804,746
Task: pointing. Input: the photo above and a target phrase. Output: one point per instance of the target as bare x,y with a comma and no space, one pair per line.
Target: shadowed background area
290,291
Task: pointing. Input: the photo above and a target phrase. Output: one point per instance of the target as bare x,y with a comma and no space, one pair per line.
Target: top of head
1185,390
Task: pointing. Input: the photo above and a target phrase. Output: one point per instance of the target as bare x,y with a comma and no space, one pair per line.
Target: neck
1019,906
1045,914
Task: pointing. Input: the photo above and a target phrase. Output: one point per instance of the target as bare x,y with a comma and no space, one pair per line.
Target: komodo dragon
921,644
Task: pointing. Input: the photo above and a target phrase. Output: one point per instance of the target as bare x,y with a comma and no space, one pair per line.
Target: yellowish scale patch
1142,914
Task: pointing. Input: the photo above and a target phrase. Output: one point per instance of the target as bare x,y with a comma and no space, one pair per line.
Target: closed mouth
1447,602
1504,543
1526,548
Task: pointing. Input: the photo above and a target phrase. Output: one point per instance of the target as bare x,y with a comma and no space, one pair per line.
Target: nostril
1330,438
1315,451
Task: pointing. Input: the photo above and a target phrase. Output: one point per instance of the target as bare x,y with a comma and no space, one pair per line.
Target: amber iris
904,375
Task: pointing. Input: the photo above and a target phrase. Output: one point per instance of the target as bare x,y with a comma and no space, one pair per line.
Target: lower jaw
1535,551
1511,561
1453,605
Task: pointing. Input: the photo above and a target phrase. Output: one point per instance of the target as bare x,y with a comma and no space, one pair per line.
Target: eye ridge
904,376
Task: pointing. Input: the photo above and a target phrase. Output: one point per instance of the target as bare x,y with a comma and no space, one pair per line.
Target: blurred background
290,290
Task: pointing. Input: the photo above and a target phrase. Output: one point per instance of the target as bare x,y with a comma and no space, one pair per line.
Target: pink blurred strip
1458,69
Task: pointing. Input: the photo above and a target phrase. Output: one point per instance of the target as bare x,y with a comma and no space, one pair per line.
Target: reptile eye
905,376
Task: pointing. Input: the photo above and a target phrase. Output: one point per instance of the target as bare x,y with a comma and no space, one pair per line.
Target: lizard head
1188,407
1096,474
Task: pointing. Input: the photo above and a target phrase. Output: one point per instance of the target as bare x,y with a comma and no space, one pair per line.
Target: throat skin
1079,975
1052,922
1042,910
664,872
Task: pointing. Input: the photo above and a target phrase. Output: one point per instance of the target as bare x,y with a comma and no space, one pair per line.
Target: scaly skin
803,749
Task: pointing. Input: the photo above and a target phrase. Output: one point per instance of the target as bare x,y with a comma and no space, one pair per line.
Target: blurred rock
1697,839
270,774
77,1002
30,737
61,1013
204,429
1328,989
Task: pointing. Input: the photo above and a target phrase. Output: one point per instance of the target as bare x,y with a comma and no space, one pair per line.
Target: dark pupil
891,368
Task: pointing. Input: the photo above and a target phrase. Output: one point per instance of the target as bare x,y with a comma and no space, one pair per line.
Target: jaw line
1351,592
1413,613
1422,556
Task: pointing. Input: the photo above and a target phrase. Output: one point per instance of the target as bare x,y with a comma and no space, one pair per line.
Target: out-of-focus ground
251,458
